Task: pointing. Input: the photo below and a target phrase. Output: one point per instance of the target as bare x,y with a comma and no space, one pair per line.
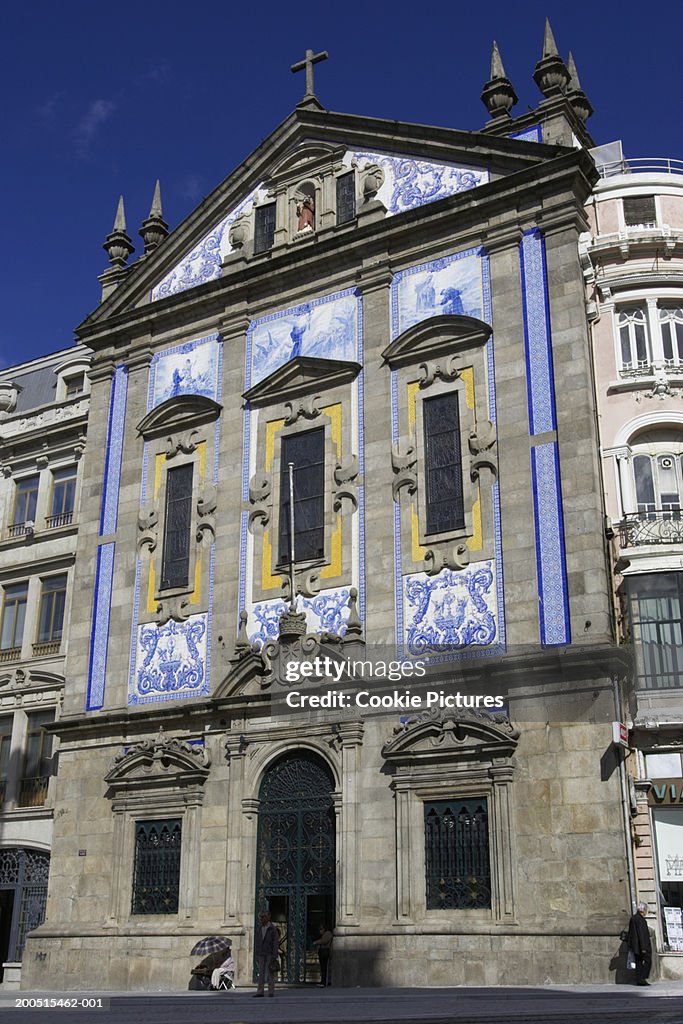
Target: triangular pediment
435,337
435,736
193,254
178,414
301,376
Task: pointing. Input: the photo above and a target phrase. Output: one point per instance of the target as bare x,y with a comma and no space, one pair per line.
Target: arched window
634,345
658,472
671,323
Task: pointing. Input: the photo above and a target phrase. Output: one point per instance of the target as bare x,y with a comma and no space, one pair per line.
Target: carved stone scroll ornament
259,493
345,498
453,557
148,524
447,369
307,408
405,470
185,443
206,506
482,443
307,583
176,608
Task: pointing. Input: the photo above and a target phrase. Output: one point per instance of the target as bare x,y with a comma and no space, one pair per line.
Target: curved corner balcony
642,165
660,527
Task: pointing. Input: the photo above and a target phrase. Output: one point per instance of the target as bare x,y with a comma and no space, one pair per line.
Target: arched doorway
23,897
296,857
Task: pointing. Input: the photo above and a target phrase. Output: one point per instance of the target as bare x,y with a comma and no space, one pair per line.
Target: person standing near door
324,944
266,948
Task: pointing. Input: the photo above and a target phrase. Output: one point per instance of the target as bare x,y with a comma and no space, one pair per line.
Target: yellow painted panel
335,566
201,449
412,389
151,587
467,376
272,428
418,551
268,581
194,596
158,470
476,541
335,414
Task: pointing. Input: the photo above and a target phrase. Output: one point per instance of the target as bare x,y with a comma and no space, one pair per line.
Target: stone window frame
323,422
69,370
469,486
156,780
176,430
439,756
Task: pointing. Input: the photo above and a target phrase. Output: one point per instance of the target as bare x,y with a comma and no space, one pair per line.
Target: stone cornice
439,335
299,377
179,413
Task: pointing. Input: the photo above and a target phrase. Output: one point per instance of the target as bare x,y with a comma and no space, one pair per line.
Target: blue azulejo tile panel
451,610
171,661
327,328
538,346
203,262
327,612
188,369
409,182
533,134
114,451
99,633
550,551
452,285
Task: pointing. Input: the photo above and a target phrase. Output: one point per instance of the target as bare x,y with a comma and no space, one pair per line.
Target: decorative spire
551,74
119,245
498,95
575,94
155,228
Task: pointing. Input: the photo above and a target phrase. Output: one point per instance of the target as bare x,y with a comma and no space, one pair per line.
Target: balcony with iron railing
8,654
41,650
63,519
26,529
658,527
641,165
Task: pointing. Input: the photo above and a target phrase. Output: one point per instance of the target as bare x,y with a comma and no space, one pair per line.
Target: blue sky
103,99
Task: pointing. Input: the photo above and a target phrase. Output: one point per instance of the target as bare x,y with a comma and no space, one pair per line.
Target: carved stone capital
177,608
206,506
259,493
482,444
345,498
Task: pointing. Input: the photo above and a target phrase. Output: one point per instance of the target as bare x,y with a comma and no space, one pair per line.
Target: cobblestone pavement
599,1004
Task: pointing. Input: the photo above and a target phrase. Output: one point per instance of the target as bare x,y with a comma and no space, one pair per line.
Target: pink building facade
633,265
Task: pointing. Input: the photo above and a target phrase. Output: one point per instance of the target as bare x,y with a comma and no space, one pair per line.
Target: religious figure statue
305,211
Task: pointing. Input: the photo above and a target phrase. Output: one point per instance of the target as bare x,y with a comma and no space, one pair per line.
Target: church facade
397,313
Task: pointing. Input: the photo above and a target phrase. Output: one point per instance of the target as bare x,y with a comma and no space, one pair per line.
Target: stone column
234,860
655,332
502,853
629,502
350,737
403,858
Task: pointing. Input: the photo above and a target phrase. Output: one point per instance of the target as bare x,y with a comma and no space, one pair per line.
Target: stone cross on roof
308,63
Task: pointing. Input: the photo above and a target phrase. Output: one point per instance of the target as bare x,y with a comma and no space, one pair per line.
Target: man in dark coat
266,948
640,944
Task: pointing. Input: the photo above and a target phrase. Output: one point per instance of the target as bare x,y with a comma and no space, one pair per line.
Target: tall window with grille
51,617
25,501
457,856
37,767
346,197
264,227
634,344
13,617
63,497
443,465
306,452
175,562
655,602
671,324
156,871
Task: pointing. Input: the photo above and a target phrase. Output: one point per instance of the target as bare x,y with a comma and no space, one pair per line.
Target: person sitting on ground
226,970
